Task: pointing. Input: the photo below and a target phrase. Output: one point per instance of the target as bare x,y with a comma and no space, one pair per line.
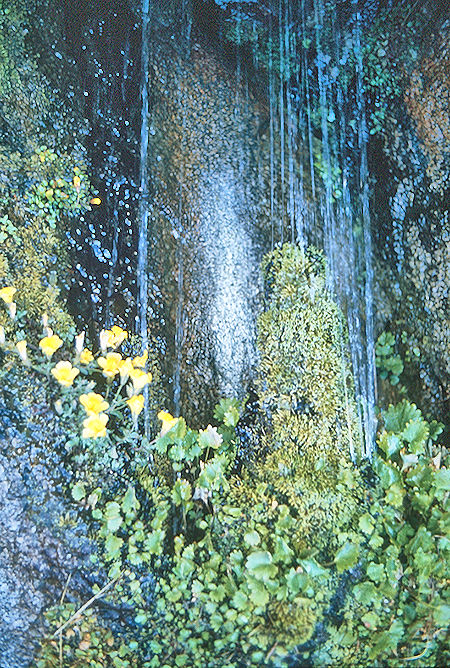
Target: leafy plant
402,598
389,364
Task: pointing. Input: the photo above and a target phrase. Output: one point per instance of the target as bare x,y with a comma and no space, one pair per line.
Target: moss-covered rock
306,390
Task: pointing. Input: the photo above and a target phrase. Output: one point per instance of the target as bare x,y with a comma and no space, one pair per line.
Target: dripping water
142,261
368,397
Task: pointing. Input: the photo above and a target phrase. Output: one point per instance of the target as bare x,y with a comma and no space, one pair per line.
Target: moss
28,261
305,387
293,622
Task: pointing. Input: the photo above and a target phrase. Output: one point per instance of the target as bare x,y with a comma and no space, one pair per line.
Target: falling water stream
292,192
142,259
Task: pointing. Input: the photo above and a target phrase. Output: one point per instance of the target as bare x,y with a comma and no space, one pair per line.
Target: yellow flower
21,347
119,335
139,379
96,201
93,403
141,361
50,344
168,421
7,294
136,404
95,426
110,364
112,338
125,369
65,373
86,356
76,182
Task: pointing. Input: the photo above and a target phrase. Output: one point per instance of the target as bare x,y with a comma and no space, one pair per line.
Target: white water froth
232,265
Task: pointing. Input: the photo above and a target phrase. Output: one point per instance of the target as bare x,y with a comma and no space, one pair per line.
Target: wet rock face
36,555
207,215
413,225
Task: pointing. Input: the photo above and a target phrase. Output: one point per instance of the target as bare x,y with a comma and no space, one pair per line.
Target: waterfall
142,261
335,161
368,398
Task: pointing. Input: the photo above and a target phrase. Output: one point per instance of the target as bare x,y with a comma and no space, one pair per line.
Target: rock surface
37,554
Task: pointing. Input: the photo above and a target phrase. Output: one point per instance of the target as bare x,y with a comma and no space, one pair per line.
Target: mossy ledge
305,389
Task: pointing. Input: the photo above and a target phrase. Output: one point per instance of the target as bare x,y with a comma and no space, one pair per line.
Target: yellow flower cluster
111,364
94,426
140,379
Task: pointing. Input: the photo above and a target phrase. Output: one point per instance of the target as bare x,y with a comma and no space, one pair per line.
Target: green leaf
422,539
408,460
113,516
420,476
154,541
436,428
388,473
225,406
416,433
442,615
296,581
376,541
346,557
424,562
390,444
130,502
78,491
313,568
442,479
261,565
252,538
210,438
283,552
141,618
366,523
181,492
387,641
231,417
375,572
366,593
395,495
397,417
113,546
370,620
240,600
258,594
